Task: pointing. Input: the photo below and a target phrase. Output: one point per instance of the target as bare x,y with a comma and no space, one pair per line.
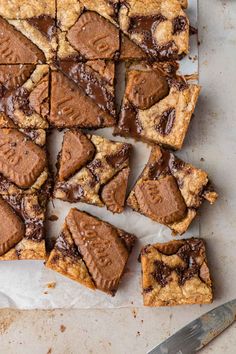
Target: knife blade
193,337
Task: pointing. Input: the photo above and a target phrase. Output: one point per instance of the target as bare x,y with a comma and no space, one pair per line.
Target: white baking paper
24,284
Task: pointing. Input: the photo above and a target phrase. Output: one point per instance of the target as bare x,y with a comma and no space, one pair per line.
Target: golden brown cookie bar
23,163
28,32
159,27
91,252
82,95
24,9
170,191
87,29
24,96
176,273
22,226
157,105
93,170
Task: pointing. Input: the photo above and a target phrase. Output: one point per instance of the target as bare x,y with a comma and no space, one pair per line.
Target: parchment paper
26,284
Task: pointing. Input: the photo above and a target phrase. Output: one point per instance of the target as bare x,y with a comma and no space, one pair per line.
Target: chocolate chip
166,122
179,24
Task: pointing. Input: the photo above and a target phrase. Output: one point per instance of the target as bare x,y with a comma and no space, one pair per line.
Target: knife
193,337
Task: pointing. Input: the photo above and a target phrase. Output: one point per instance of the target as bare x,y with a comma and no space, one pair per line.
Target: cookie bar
23,163
170,191
160,28
24,96
176,273
91,252
93,170
157,105
87,30
28,33
22,219
82,95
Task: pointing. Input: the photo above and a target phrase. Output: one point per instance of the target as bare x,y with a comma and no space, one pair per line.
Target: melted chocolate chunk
34,230
65,248
168,51
18,99
92,166
148,290
180,85
45,24
117,159
93,86
179,24
161,273
128,239
146,25
189,252
73,194
162,166
166,122
129,123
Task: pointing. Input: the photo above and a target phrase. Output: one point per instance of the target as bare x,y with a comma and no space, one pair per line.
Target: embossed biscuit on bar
91,252
159,28
176,273
23,162
24,96
82,95
88,30
30,29
15,48
22,231
170,191
93,170
158,104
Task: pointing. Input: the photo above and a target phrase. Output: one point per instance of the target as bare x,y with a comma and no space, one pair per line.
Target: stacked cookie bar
58,71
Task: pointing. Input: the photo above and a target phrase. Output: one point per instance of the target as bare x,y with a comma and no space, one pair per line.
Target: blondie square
170,191
93,170
157,105
88,29
91,252
28,32
82,95
176,273
159,27
24,96
22,218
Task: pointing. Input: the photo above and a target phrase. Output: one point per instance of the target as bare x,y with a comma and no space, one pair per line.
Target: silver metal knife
193,337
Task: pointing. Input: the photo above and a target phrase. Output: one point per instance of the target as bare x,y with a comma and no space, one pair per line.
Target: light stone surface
131,330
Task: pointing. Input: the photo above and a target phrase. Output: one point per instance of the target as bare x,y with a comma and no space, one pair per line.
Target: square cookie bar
157,105
23,162
176,273
28,32
170,191
160,28
82,95
24,96
93,170
87,29
22,218
91,252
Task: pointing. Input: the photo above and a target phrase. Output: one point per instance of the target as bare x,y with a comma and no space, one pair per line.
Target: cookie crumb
62,328
53,217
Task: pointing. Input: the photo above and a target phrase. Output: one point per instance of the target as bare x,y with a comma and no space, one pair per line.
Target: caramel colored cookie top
161,200
145,88
21,161
16,48
12,229
101,248
77,150
114,192
94,36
